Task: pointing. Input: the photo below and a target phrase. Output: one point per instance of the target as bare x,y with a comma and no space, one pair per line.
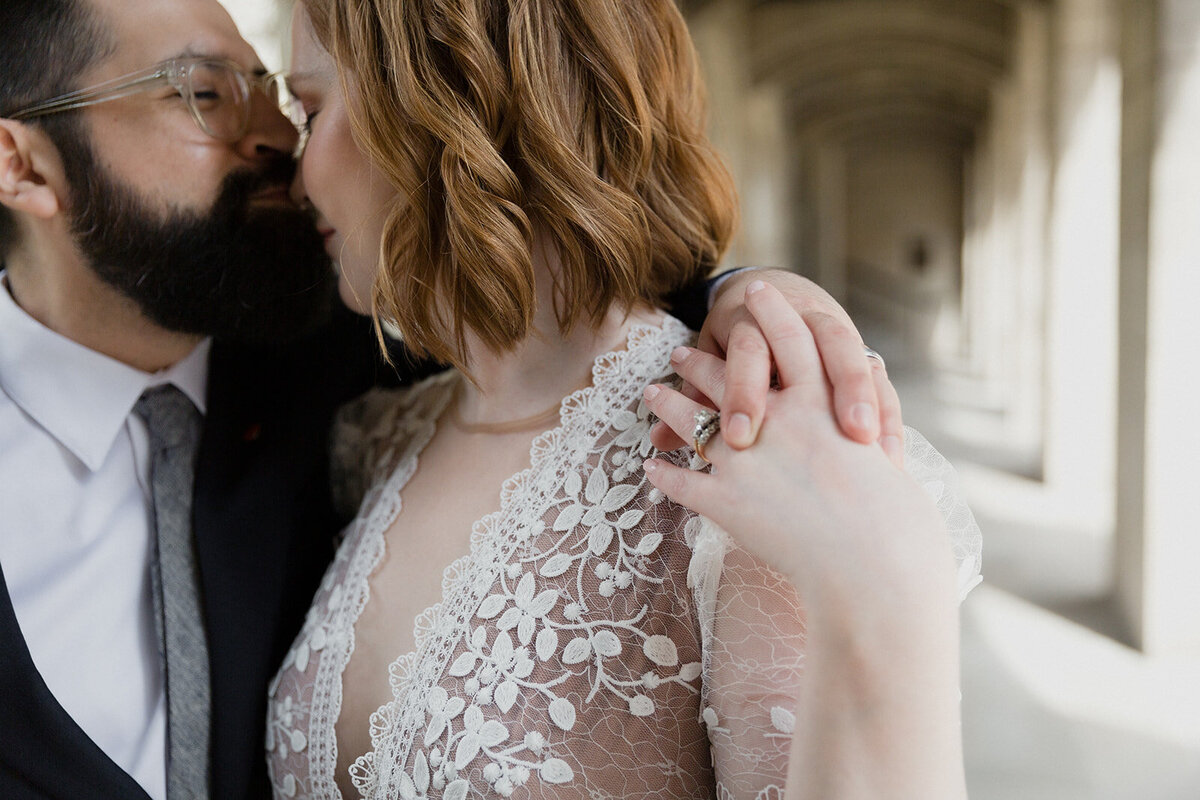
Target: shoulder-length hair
580,120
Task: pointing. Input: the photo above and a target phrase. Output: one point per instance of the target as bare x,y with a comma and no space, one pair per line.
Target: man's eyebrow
192,52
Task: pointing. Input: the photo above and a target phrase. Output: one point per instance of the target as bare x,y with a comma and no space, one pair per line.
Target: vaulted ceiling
864,68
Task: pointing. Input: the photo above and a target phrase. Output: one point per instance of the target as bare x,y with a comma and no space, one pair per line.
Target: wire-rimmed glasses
216,90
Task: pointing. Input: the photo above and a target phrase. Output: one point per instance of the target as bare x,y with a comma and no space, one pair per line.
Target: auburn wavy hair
580,120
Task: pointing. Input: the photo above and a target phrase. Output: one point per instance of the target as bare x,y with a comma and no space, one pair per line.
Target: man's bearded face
236,271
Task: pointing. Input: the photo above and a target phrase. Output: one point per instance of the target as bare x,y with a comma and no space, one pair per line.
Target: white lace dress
598,641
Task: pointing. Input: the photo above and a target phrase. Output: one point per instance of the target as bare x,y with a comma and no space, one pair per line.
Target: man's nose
270,133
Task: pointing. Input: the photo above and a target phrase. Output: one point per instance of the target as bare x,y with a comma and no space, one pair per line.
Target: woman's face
350,195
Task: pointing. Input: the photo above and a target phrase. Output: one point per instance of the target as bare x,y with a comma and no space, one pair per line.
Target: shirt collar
80,397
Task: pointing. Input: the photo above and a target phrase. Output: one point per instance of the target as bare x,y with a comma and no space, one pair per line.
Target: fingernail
679,354
755,286
650,467
652,391
862,415
738,428
891,445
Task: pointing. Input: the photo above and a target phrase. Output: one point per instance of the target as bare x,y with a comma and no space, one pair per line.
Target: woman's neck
546,365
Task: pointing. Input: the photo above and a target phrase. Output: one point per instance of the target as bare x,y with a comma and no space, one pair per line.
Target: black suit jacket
264,524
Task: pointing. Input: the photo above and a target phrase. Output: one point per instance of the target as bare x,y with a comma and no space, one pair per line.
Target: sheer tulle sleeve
753,634
939,480
359,432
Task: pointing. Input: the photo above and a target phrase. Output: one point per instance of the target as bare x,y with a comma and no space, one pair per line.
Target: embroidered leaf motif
599,539
661,650
421,772
606,644
555,565
628,437
491,606
649,543
299,742
597,486
319,639
463,664
473,719
479,638
524,591
572,484
436,726
438,697
629,520
468,748
641,706
576,650
562,713
544,603
525,629
506,695
502,650
509,619
592,517
492,733
408,791
569,517
547,644
457,790
618,497
689,672
555,770
624,420
783,720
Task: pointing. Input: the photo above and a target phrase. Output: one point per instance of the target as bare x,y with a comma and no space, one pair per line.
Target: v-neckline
386,506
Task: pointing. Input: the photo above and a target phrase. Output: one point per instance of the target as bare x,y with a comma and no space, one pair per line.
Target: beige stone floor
1054,708
1055,711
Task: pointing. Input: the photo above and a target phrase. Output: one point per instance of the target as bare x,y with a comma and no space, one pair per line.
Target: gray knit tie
174,425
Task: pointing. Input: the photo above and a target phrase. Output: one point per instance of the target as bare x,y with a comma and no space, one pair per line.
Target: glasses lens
220,99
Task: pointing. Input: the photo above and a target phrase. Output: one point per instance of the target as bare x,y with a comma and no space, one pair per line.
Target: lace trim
617,380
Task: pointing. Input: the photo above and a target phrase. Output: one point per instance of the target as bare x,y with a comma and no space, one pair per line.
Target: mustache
243,184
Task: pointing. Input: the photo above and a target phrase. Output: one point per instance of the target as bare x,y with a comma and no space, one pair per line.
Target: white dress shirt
76,531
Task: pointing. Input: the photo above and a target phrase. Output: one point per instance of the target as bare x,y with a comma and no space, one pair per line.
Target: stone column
1158,553
1081,312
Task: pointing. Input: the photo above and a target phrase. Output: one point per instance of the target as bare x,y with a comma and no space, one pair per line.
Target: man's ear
31,176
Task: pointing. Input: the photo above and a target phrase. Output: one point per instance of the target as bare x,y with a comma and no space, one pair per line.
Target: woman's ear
31,177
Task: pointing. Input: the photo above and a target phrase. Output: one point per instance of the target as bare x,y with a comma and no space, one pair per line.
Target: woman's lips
327,235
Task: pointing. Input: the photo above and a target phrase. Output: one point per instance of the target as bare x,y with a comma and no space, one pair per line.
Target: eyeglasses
217,92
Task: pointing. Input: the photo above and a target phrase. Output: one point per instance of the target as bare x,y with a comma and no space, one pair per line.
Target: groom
147,241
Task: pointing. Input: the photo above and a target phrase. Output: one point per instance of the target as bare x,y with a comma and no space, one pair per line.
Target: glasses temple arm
110,90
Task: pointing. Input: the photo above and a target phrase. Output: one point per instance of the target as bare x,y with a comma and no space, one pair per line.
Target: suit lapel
264,520
242,556
43,752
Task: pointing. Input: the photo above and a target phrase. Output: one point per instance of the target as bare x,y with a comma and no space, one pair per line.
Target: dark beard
235,272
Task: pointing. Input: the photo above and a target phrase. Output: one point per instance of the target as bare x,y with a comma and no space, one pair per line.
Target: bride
520,608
